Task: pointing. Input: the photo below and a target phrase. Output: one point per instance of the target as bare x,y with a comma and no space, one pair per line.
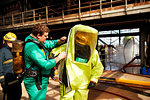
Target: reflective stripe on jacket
6,62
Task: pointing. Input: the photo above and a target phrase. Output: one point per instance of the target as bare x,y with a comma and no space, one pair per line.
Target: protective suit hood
91,34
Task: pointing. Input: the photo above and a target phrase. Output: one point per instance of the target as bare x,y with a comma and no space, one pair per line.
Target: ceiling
6,2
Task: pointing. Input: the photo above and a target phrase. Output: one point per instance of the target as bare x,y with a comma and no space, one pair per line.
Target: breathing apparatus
17,51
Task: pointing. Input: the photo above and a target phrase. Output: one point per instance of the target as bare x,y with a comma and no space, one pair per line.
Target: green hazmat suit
82,69
33,55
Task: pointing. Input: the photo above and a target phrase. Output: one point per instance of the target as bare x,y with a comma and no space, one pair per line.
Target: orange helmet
82,38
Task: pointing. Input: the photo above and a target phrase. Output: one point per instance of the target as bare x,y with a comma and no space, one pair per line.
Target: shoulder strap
40,45
30,40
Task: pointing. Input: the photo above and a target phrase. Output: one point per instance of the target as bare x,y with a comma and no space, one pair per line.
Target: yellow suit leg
81,94
67,96
73,94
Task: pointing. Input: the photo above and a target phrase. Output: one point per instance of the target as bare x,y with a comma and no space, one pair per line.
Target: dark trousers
11,91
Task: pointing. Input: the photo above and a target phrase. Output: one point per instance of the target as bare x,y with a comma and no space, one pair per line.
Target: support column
142,45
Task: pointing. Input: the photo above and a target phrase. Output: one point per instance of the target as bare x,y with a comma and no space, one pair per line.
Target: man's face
43,37
9,44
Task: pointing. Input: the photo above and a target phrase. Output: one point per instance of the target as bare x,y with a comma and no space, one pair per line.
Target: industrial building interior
123,38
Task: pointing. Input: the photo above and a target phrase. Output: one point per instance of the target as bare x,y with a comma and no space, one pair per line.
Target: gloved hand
91,85
62,39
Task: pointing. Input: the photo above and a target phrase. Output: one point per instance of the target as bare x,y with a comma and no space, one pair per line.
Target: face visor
85,43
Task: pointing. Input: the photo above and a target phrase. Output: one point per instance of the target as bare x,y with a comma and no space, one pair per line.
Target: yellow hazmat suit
82,64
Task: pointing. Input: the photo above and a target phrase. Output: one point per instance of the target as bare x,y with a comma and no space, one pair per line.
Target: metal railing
55,13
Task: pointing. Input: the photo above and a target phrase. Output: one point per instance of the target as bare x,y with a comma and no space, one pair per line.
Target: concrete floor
53,89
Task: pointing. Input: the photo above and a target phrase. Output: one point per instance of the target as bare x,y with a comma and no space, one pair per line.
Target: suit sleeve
50,44
97,67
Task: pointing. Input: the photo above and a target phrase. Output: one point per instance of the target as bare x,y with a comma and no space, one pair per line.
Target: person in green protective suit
82,67
37,63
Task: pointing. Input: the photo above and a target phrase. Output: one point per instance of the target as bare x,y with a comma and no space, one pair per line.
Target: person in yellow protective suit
81,69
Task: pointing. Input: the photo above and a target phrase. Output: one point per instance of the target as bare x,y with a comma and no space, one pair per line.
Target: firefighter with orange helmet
12,90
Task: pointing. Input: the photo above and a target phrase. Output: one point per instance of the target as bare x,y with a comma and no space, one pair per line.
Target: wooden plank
129,92
120,75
